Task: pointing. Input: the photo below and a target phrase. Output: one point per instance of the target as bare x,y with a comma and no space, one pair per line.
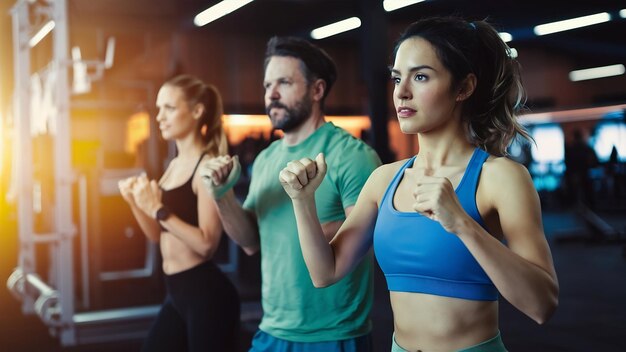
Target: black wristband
163,213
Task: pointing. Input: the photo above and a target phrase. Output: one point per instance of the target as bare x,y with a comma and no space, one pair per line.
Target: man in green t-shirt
297,316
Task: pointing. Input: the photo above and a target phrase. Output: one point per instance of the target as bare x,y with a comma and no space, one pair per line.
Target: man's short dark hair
317,63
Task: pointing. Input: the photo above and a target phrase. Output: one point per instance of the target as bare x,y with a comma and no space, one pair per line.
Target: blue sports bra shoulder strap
396,179
472,173
474,167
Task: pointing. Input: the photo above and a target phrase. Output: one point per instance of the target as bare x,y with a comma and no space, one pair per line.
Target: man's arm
239,223
219,176
352,177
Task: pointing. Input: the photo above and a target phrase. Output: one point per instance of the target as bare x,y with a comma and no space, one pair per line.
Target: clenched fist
126,189
147,195
302,177
436,199
220,174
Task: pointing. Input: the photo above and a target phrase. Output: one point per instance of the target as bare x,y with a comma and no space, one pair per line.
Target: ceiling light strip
572,23
336,28
597,72
218,10
391,5
505,36
41,33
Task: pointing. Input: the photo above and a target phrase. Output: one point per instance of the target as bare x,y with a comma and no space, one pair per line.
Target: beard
293,117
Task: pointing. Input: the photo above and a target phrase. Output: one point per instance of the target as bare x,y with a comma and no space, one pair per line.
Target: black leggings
200,313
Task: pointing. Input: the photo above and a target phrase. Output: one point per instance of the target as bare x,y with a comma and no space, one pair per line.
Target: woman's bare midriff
177,256
431,323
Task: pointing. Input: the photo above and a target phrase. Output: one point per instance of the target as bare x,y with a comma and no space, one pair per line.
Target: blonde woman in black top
201,310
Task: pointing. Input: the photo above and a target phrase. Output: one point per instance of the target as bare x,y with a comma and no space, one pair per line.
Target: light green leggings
492,345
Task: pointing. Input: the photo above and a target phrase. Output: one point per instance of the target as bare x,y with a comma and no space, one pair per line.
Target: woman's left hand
147,195
435,198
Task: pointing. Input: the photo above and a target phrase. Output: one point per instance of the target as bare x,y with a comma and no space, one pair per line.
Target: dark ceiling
593,44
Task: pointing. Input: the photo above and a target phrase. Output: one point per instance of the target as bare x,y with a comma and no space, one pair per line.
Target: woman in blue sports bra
201,309
439,220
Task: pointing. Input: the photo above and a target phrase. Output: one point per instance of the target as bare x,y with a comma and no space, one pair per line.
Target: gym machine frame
54,302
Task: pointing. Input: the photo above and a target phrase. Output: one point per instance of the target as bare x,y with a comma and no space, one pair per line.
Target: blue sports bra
417,255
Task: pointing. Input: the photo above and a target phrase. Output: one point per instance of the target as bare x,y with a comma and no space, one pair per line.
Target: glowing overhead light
505,36
41,33
622,13
391,5
336,28
596,72
572,23
218,10
109,54
586,114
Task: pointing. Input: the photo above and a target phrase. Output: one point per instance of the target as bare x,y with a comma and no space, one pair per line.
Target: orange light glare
1,144
137,131
238,127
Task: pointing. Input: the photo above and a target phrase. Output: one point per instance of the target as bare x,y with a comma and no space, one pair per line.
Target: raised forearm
148,225
238,223
318,253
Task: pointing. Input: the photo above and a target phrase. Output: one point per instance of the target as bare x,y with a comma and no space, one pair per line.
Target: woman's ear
197,111
467,87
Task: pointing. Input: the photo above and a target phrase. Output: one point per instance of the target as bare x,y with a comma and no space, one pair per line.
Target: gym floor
591,314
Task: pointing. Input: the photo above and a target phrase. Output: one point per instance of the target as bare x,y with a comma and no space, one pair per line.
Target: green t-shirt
293,308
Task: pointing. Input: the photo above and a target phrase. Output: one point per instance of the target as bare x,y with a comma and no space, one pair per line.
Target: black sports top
181,200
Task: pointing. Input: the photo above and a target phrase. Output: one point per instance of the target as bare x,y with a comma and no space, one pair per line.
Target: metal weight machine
62,297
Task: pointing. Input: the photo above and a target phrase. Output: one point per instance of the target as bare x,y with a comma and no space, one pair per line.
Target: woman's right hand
126,189
301,178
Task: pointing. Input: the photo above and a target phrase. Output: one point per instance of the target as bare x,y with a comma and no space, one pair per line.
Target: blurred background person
297,317
201,309
579,159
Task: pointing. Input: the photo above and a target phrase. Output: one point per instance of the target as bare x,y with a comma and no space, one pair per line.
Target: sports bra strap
197,164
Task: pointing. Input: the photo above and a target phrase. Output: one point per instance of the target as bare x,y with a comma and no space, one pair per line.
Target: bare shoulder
503,167
501,176
386,172
380,179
